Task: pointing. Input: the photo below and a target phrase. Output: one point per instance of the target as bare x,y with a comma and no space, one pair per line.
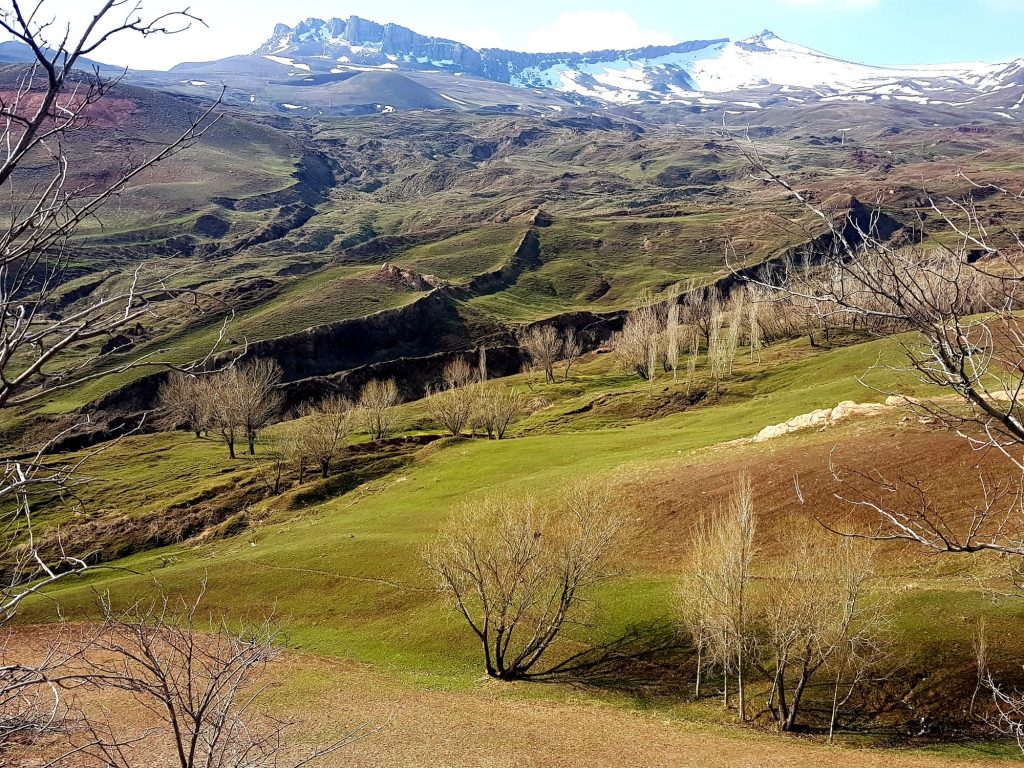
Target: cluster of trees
515,569
795,298
465,400
657,335
236,402
806,615
243,399
545,346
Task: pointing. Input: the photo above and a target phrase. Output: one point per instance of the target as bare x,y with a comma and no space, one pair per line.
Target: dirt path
484,728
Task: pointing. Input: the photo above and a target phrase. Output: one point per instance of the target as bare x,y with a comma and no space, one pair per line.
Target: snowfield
763,61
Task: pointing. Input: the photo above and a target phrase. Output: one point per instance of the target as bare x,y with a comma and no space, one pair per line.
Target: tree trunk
797,693
700,668
252,443
835,706
783,705
325,468
770,704
739,686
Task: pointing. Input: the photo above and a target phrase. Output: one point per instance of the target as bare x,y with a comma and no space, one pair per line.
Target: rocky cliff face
360,41
356,40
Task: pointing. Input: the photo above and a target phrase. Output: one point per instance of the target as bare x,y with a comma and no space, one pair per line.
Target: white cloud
475,37
594,31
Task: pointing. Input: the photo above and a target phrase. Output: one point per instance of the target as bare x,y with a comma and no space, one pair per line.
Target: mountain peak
761,41
758,66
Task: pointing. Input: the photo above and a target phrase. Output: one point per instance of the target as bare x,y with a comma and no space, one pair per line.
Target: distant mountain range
355,66
677,73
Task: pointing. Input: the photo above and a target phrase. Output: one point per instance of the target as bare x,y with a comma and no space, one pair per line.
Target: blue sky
872,31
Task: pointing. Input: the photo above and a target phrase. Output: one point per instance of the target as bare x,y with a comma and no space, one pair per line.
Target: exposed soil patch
491,726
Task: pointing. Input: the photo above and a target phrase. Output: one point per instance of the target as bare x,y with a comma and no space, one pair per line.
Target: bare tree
198,678
754,330
376,408
324,431
258,396
719,353
481,364
497,407
47,345
699,309
816,613
220,395
242,400
182,396
544,346
697,607
514,569
293,445
691,360
270,469
453,404
672,339
715,588
571,350
638,343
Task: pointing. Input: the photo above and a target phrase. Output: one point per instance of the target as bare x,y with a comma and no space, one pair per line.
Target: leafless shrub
497,407
182,396
514,569
453,404
198,677
324,431
544,346
376,408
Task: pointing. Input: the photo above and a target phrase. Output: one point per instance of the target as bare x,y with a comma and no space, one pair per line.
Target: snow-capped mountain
703,72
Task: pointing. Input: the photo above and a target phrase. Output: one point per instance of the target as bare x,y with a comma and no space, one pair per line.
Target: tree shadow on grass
650,662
